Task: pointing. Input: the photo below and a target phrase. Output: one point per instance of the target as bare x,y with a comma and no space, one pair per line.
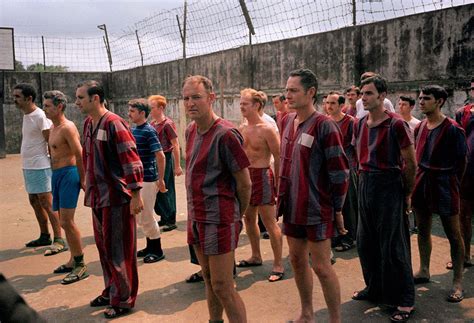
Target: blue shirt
147,145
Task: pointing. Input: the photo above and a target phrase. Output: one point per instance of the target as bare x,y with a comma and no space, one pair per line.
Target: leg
466,227
267,212
452,229
73,236
41,215
254,234
45,200
424,222
304,281
321,261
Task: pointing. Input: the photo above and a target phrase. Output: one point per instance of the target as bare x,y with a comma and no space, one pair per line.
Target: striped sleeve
232,152
153,141
337,163
128,155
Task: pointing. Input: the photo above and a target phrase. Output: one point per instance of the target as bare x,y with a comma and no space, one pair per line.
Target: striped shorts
214,239
263,186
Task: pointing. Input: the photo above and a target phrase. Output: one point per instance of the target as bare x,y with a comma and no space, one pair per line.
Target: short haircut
379,82
265,98
353,88
57,97
93,88
140,105
340,98
307,78
159,99
408,99
280,97
366,75
207,83
437,91
256,96
27,90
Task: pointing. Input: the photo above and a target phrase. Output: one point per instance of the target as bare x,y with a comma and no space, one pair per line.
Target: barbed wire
212,26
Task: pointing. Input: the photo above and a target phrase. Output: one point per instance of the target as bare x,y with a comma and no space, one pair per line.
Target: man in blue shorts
68,178
36,166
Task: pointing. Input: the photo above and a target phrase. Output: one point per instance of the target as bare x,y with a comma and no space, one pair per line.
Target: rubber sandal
63,269
58,246
449,265
455,296
421,280
362,295
245,264
40,242
99,301
195,278
142,253
76,275
401,316
151,258
344,246
112,312
279,276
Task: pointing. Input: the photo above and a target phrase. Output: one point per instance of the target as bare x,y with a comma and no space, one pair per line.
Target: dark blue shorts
66,186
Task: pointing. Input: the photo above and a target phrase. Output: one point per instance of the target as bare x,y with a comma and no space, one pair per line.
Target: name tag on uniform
306,140
101,135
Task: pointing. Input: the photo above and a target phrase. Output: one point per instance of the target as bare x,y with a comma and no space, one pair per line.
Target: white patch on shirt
306,140
101,135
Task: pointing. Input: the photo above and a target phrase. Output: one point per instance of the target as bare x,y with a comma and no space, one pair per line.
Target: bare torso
255,144
60,150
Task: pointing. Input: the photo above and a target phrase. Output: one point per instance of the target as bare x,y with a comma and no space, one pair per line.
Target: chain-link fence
201,27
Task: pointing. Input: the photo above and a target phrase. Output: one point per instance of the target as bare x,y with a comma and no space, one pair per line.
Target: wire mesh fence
205,26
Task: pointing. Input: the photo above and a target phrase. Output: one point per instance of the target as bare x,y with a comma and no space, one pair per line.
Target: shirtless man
261,141
68,179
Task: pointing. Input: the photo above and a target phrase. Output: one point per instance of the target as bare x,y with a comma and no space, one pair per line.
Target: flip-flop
76,275
449,265
151,258
63,269
57,247
245,263
404,316
195,278
279,276
99,301
344,246
455,296
112,312
361,295
40,242
421,280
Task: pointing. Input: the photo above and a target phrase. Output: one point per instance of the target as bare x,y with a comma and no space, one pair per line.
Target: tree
38,67
19,66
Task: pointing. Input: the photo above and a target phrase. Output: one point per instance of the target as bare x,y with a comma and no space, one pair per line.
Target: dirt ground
163,294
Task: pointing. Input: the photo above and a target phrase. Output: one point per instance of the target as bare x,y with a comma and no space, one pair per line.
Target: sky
76,18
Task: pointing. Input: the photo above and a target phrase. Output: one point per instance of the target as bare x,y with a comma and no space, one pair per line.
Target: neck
254,119
205,123
406,117
435,117
30,108
305,113
337,117
98,113
60,120
160,117
378,113
141,122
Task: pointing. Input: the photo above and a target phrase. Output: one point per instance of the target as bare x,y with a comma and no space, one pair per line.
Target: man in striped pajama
114,176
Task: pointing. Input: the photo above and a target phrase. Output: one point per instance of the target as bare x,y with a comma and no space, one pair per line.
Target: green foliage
38,67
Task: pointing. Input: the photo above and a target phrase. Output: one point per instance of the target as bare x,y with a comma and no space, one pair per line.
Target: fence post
248,20
44,54
182,33
139,46
354,8
107,44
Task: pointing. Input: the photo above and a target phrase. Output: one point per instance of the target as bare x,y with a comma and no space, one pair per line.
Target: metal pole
139,46
354,18
182,33
44,54
107,44
248,20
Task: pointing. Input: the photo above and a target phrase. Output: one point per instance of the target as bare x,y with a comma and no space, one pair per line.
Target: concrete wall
434,47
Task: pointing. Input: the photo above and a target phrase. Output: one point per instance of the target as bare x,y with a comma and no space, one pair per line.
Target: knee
33,199
323,270
66,224
298,262
220,288
45,201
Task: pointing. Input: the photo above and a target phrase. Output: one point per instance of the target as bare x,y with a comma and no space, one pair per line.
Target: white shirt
413,123
34,148
362,113
270,121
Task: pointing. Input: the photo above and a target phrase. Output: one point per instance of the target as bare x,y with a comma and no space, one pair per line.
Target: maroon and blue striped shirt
314,171
346,124
211,158
378,148
465,118
166,130
111,162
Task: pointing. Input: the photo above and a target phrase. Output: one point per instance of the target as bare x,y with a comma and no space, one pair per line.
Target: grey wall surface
428,48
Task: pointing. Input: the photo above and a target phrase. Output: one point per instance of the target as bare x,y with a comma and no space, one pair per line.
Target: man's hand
408,204
161,186
136,203
178,171
340,224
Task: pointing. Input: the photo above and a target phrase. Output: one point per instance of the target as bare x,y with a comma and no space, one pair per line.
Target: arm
161,162
273,141
244,187
74,141
177,157
408,174
45,134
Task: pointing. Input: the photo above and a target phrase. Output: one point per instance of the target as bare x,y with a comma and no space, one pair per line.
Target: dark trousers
165,204
350,211
383,239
